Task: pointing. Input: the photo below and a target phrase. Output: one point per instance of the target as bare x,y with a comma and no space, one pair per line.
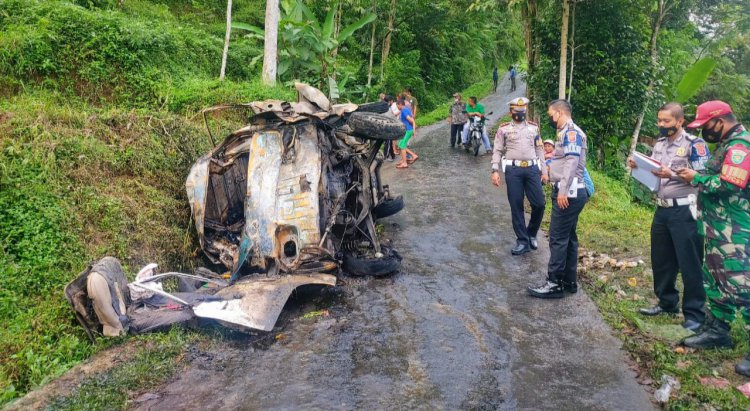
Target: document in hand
643,173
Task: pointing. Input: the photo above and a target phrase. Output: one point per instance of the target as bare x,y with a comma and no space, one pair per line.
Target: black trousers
677,246
525,182
563,239
456,130
388,150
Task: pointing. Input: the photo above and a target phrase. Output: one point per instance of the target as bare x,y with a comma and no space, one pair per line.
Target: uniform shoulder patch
533,123
572,136
736,167
700,148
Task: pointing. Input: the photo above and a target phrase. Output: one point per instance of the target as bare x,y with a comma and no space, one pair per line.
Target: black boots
713,334
743,367
520,248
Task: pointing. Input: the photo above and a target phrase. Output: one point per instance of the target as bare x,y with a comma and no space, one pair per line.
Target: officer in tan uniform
676,244
569,196
519,154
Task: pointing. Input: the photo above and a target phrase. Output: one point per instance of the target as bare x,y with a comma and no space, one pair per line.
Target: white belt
522,163
672,202
578,186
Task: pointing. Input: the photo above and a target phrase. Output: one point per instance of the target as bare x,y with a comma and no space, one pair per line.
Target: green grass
611,223
441,112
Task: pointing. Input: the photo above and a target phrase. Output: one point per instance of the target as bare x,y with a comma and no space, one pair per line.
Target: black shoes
547,290
714,334
570,287
656,310
533,243
520,249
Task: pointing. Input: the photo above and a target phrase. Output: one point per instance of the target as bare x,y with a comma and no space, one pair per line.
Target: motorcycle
476,125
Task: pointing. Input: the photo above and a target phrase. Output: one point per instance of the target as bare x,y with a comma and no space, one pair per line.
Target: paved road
453,330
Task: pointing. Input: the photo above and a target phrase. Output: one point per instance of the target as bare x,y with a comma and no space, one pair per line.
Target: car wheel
376,107
375,126
387,208
356,264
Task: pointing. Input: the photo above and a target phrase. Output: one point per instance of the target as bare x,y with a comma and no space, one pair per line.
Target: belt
522,163
578,186
672,202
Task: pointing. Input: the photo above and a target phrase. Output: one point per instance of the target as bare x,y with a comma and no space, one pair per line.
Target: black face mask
518,117
667,131
552,122
711,135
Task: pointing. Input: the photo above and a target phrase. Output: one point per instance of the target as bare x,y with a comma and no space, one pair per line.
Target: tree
387,40
226,41
270,50
662,8
563,49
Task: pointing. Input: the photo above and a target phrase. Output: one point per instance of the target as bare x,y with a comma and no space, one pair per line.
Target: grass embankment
442,112
612,224
97,133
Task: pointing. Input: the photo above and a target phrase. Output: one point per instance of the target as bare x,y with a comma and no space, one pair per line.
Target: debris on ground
670,385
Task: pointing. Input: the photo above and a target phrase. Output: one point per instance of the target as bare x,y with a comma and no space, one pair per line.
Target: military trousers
727,289
456,134
525,182
563,239
676,247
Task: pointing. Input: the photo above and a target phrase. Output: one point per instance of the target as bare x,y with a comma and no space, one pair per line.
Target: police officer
519,154
724,199
675,242
569,196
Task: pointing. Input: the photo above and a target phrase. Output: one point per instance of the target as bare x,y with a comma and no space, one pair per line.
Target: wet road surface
453,330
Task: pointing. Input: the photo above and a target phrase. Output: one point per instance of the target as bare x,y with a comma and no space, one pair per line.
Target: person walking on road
495,78
512,71
569,196
724,197
676,245
457,119
389,148
411,126
519,155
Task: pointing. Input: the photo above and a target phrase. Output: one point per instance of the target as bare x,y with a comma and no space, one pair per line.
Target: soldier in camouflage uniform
725,205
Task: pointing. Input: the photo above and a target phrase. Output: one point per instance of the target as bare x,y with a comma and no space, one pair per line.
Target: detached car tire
387,208
357,265
376,107
375,126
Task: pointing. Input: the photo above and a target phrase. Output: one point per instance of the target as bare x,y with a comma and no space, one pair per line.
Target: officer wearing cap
724,200
675,242
518,153
569,196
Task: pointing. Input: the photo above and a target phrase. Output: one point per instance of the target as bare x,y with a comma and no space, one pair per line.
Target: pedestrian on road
569,196
390,146
495,78
724,198
411,127
413,103
676,245
475,109
457,118
512,71
519,154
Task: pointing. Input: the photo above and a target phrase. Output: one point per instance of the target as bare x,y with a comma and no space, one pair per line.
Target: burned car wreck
282,202
298,189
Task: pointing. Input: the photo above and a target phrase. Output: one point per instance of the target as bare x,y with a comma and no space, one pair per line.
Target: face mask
456,100
667,131
552,121
711,135
518,117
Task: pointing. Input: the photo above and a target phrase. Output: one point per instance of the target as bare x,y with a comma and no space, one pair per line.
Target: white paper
643,172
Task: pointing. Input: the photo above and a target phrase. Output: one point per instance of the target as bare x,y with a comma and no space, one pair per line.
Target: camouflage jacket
724,193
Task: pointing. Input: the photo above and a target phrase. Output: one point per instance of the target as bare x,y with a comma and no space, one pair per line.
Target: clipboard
643,172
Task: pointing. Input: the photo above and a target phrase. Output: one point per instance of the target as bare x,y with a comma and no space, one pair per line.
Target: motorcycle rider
475,109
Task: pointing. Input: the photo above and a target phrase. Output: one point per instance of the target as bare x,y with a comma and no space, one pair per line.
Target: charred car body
298,189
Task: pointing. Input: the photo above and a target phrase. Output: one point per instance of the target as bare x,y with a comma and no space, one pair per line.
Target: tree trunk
372,44
528,14
662,9
563,49
387,41
270,46
226,41
572,49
